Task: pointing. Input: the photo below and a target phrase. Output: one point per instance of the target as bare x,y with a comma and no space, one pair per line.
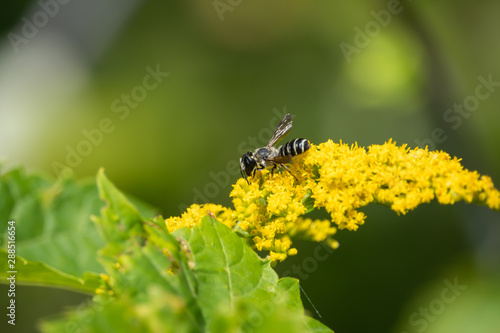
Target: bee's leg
258,168
243,175
275,166
286,168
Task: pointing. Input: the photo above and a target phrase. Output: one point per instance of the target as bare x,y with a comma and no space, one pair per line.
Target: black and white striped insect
272,157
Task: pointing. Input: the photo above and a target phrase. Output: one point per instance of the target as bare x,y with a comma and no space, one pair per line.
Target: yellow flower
351,177
341,179
193,215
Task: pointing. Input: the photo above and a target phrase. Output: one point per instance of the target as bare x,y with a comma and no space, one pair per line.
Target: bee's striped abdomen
294,147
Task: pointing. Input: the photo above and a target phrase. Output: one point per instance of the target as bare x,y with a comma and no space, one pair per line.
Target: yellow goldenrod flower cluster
269,208
193,215
341,179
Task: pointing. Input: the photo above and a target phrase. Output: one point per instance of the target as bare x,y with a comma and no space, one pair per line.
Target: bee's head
247,165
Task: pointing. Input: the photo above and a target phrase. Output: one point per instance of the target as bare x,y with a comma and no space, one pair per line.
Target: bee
270,156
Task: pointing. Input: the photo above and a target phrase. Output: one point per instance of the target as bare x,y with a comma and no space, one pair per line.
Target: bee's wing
280,159
282,130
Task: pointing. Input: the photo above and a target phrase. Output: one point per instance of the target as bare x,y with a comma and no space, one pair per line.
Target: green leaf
40,274
120,219
53,222
231,275
207,279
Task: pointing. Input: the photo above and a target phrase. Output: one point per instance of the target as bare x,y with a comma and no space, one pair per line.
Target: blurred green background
74,92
